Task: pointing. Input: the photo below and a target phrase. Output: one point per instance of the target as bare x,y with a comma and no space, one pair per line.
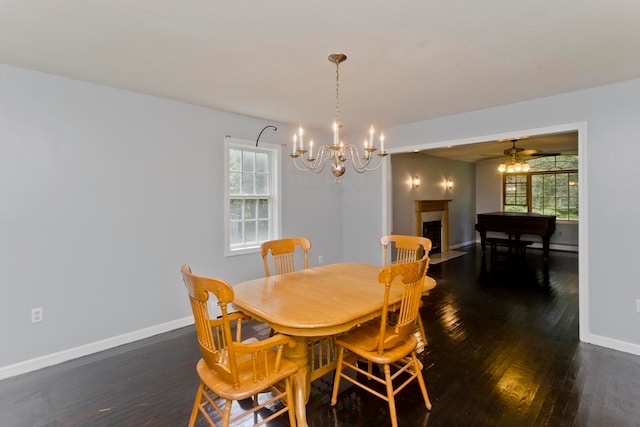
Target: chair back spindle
406,248
410,276
283,254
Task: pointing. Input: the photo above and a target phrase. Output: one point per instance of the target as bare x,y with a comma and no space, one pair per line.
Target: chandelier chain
337,93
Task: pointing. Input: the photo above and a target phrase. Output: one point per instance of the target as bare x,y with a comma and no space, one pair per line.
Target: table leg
302,381
545,247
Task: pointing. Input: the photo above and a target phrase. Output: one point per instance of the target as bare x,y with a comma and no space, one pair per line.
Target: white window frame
275,189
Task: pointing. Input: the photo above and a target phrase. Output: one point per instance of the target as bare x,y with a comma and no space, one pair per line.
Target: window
549,188
252,186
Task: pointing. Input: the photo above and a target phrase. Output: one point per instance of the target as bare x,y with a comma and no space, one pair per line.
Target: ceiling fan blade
543,154
531,152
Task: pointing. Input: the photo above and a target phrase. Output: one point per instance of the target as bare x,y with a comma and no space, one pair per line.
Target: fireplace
442,206
432,230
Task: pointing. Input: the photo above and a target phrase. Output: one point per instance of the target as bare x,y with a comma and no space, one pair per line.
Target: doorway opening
579,128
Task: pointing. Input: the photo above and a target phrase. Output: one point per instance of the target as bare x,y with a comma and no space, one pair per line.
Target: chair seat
363,341
429,284
248,386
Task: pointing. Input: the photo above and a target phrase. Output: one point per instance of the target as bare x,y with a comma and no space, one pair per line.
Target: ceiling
407,60
532,146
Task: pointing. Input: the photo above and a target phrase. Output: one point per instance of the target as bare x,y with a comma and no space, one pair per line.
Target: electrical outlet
320,259
638,305
36,315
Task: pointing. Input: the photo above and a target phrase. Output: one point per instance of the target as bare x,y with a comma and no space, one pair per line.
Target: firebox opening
433,231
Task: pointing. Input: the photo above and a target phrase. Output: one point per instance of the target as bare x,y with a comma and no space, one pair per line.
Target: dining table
323,301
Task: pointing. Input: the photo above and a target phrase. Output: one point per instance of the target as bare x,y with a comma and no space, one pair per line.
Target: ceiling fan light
502,168
509,169
526,167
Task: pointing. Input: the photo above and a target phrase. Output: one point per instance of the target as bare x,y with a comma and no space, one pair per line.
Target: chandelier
514,164
338,153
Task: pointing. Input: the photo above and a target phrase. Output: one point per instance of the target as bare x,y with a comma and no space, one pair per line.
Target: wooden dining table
317,302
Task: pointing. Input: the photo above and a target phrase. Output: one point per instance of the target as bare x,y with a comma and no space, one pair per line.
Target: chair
407,249
231,369
321,350
283,254
386,343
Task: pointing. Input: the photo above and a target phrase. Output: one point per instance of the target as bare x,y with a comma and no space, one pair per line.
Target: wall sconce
449,184
415,181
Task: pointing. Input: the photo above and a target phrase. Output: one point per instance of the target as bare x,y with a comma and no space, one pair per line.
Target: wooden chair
322,352
407,249
283,254
232,370
387,343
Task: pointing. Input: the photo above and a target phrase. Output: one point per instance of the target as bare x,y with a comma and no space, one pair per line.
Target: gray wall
105,193
610,197
433,172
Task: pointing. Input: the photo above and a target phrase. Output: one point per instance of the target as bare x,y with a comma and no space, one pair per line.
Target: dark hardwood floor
503,350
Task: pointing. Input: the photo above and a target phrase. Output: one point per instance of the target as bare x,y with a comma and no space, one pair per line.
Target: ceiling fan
519,150
528,152
514,163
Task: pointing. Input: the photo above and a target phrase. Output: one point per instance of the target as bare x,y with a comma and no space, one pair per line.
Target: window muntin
253,207
549,188
516,192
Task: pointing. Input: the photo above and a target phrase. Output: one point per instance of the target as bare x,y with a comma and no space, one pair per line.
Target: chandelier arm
317,165
353,154
368,169
305,168
361,165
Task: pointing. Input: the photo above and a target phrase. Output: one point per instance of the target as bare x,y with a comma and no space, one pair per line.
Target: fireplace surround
422,206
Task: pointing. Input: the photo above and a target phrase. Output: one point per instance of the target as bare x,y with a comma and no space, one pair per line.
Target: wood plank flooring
502,350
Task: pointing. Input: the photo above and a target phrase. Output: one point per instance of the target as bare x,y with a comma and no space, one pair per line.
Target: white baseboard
87,349
459,245
613,344
95,347
535,245
557,247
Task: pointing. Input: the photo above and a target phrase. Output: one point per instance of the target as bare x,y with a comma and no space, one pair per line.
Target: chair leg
390,396
227,413
196,405
421,327
336,380
290,402
423,387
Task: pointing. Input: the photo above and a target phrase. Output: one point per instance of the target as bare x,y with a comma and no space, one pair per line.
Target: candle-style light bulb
310,149
300,133
382,142
371,132
295,142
